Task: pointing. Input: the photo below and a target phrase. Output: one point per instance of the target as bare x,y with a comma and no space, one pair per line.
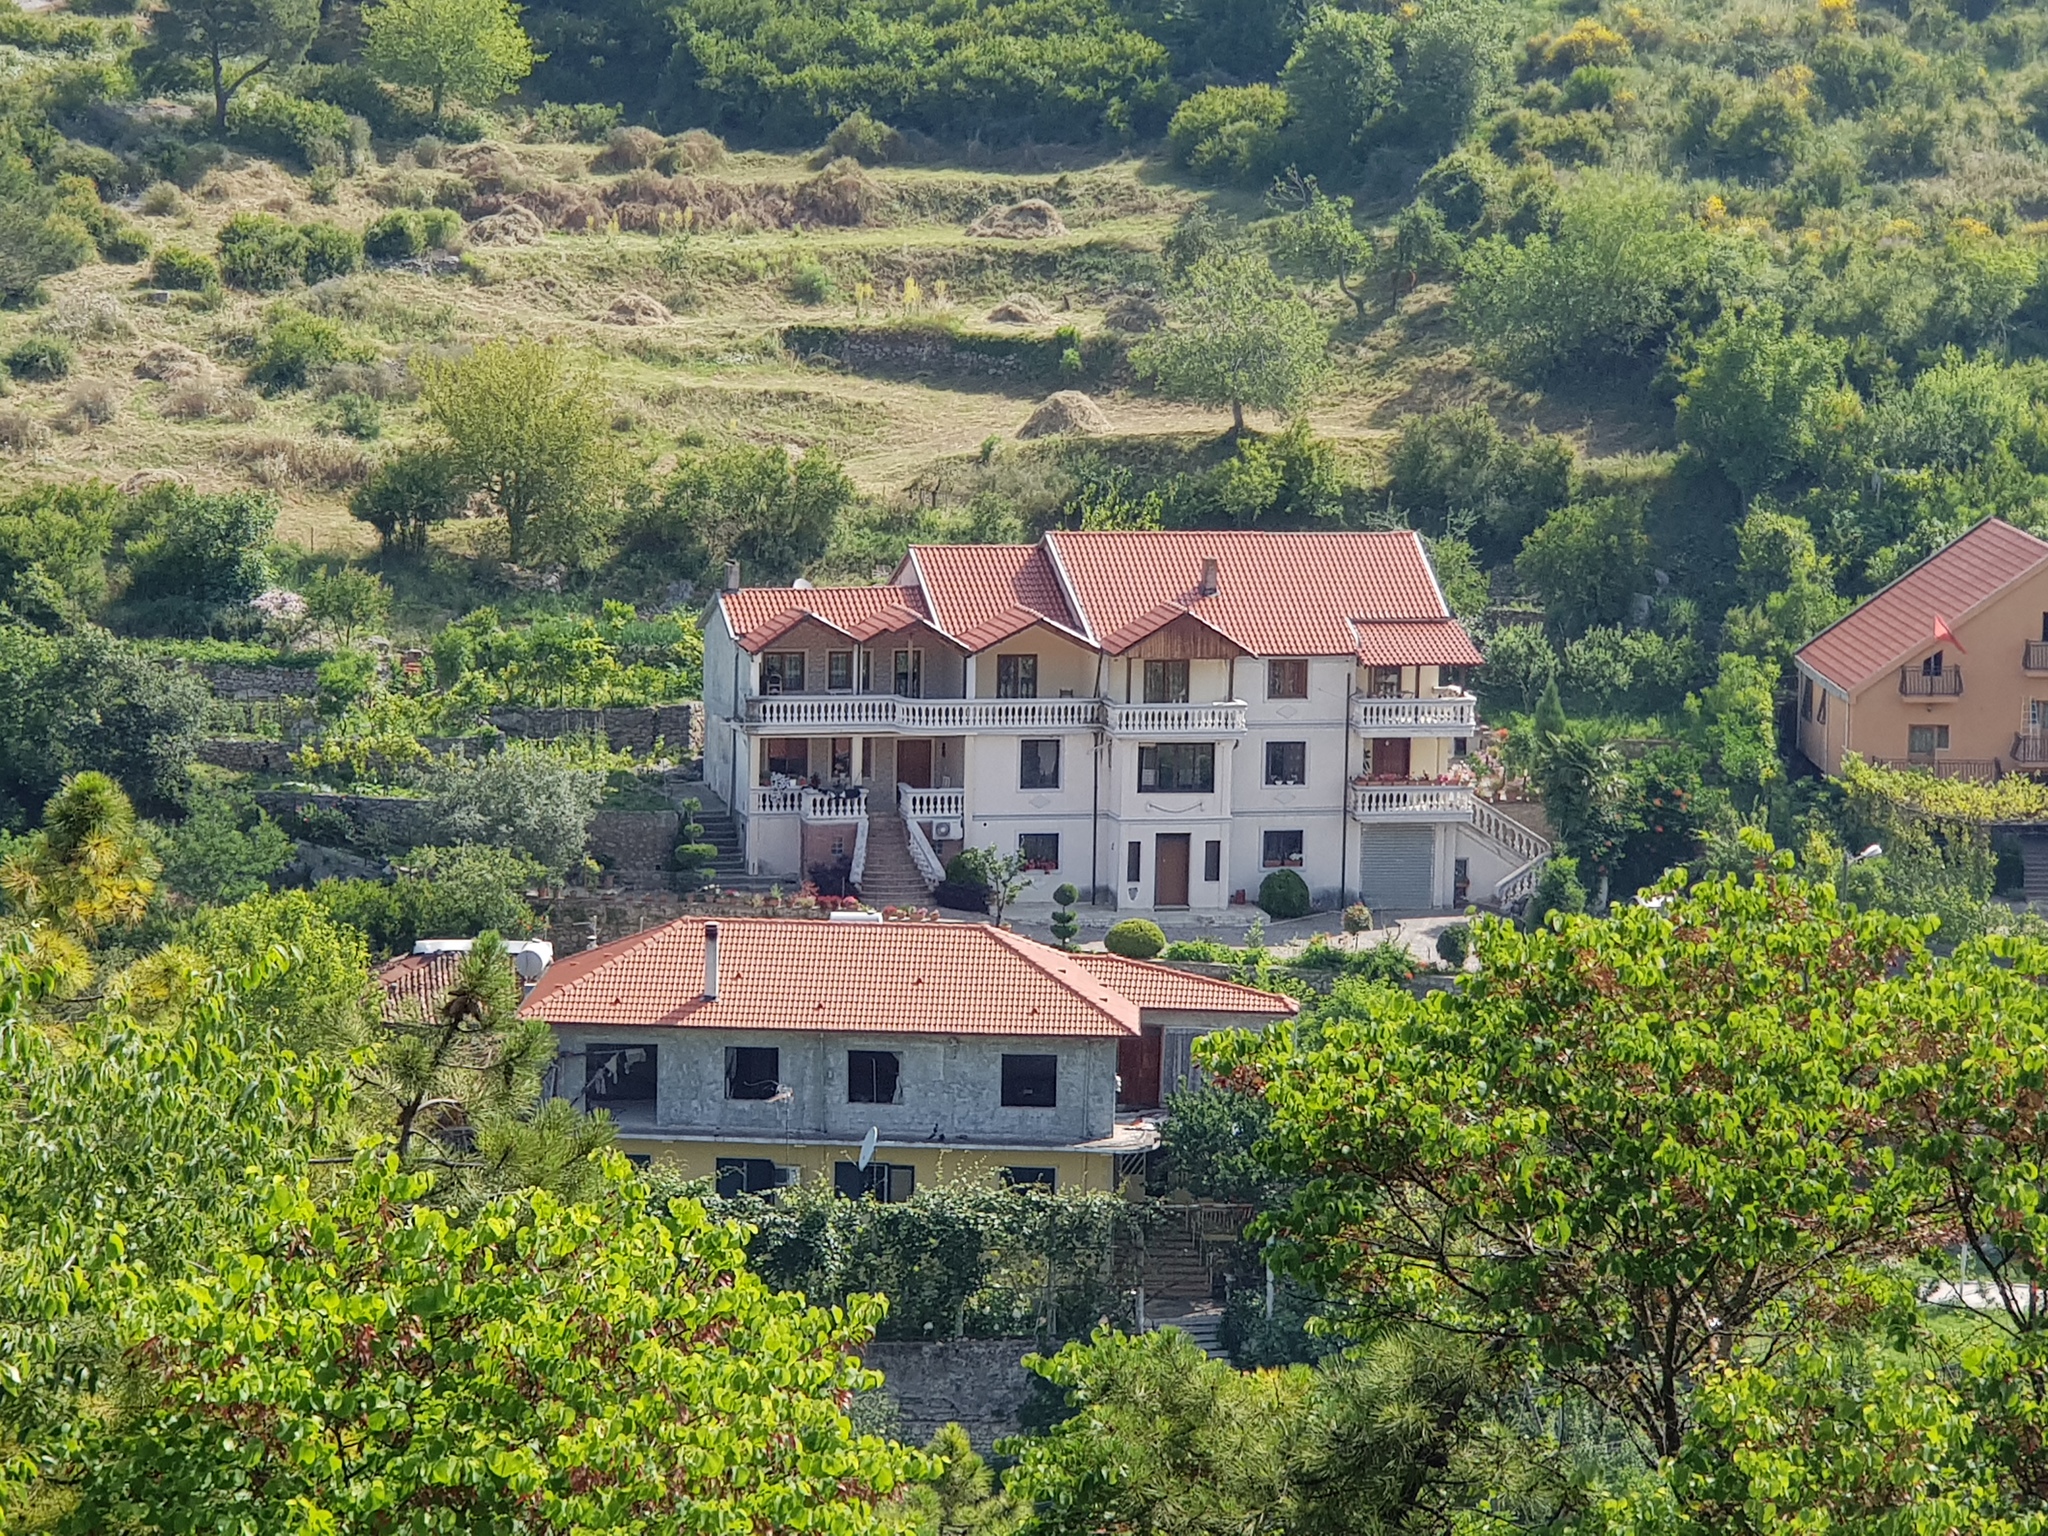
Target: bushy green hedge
1135,938
294,128
176,267
1283,893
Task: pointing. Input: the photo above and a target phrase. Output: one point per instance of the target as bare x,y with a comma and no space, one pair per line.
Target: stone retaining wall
980,1384
256,685
633,730
638,840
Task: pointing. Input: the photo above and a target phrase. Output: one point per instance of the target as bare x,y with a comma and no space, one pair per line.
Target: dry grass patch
208,402
276,462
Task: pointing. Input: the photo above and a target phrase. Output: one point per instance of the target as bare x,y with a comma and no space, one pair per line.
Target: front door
1390,757
914,764
1138,1059
1170,870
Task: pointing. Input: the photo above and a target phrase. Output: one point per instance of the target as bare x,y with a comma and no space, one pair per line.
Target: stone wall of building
980,1384
634,840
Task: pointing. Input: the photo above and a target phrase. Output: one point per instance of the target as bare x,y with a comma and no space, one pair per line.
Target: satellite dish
867,1146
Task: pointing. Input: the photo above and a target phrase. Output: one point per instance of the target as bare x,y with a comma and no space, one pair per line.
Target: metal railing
1942,767
930,804
1945,684
1226,719
2035,656
2030,748
1412,802
1454,715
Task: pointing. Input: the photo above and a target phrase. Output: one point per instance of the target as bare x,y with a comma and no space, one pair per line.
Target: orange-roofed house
764,1051
1159,718
1946,668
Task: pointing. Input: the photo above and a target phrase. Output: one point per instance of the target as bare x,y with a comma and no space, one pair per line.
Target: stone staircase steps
891,878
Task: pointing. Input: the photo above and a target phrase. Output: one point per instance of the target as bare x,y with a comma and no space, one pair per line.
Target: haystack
145,479
638,309
171,364
513,226
1032,219
1133,314
1021,309
1066,414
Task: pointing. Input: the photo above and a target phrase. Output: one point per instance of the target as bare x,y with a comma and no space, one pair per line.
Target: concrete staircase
891,879
1202,1323
729,870
2034,853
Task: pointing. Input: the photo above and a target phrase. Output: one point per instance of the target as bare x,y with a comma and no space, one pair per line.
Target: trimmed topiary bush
1358,918
1135,938
1454,944
1283,893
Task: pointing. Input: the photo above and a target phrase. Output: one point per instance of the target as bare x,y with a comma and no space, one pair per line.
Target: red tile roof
756,615
415,986
1278,594
1161,986
880,978
990,590
1371,595
1899,621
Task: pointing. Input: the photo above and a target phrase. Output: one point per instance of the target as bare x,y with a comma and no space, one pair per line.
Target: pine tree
88,867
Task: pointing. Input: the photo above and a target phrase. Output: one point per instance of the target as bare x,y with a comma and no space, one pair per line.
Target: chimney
1211,584
732,575
711,962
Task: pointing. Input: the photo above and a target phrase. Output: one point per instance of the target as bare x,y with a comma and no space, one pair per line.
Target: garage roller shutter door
1396,868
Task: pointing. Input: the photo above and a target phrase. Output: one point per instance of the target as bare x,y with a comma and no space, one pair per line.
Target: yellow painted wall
935,1165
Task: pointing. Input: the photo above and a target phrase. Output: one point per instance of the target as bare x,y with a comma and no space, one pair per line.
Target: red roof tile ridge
1058,965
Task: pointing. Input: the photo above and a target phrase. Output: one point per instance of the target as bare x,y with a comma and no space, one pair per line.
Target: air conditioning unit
786,1177
945,831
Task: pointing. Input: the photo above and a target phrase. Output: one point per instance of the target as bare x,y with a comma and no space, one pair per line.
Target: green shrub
1358,918
810,283
1230,132
1135,938
262,252
1209,951
1283,893
1454,944
39,357
331,251
295,347
357,415
395,236
176,267
586,122
347,678
290,128
125,244
866,140
695,856
440,228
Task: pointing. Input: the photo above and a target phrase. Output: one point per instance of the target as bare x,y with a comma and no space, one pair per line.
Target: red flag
1946,635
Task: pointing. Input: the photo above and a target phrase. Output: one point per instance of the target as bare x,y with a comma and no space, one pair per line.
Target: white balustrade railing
827,712
930,804
929,867
763,801
1226,719
859,869
1519,885
1448,715
1530,847
1412,802
835,805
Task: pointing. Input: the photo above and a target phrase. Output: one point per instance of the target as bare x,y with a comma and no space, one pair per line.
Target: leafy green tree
583,1366
88,868
63,533
474,50
1549,720
236,40
1000,874
1629,1150
1236,339
1453,54
1760,403
1736,720
525,424
406,495
38,236
1317,236
1558,889
525,798
1588,562
1467,592
1521,665
1230,132
773,514
319,1004
87,701
1458,470
225,849
1210,1142
1789,586
1338,81
197,555
1603,287
347,600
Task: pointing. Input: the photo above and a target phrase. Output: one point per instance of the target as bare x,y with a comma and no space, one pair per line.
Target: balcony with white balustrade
1446,714
1380,804
1175,722
817,805
886,714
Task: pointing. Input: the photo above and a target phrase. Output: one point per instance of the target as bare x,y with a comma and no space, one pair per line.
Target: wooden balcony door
914,763
1390,757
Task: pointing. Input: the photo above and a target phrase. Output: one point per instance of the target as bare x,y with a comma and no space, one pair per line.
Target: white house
1159,718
